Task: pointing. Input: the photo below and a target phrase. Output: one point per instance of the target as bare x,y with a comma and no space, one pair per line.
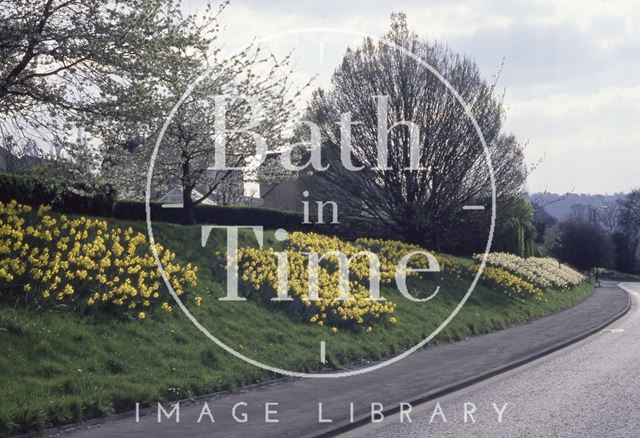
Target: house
240,189
174,197
285,195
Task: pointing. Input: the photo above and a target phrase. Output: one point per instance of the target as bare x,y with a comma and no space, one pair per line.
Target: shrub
80,197
100,200
584,245
349,228
211,214
625,259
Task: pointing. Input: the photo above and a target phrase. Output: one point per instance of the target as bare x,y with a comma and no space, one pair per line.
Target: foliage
259,269
498,279
614,275
238,108
212,214
583,245
511,284
71,197
625,259
542,221
514,231
629,220
93,367
100,200
349,228
83,263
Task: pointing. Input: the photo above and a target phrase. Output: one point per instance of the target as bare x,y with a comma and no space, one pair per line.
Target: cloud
570,69
591,142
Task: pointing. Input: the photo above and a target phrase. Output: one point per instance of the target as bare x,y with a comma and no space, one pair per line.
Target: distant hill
559,206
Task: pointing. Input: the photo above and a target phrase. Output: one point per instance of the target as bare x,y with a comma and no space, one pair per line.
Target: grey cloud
539,54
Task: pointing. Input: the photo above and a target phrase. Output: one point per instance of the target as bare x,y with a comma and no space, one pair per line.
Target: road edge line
363,420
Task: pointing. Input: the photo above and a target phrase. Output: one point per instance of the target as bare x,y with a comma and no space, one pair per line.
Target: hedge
100,200
211,214
349,228
81,198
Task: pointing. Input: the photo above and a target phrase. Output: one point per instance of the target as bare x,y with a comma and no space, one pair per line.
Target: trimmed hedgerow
78,197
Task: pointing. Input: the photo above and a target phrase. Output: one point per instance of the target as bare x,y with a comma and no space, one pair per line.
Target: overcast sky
571,69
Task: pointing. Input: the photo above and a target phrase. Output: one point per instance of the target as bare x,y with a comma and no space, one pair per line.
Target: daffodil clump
391,251
507,273
507,282
496,278
543,272
84,263
259,270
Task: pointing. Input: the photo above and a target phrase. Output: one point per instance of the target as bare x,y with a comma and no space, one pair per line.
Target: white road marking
473,207
171,205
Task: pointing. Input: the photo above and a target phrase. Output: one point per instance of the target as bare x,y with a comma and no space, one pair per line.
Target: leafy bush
212,214
100,200
584,245
625,259
349,228
79,197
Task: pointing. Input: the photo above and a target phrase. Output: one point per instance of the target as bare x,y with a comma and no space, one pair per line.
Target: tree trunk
188,206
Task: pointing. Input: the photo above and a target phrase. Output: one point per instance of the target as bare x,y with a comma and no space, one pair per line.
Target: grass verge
59,367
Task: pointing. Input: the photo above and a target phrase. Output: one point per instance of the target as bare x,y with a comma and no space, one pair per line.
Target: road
590,389
421,376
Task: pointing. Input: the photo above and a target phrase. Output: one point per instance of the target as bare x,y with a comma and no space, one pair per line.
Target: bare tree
452,170
604,216
583,213
608,216
546,198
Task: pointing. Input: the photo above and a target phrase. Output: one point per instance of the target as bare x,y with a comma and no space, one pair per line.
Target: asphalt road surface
428,371
590,389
